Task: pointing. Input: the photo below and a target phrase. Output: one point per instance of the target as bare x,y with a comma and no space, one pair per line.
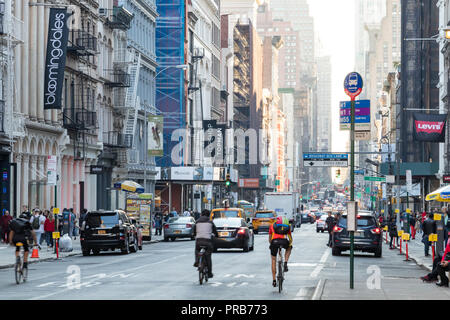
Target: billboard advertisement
55,62
429,127
155,136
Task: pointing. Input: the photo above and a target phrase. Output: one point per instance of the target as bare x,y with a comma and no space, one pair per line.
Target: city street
163,271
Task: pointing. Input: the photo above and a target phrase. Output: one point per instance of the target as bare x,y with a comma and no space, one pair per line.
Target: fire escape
79,115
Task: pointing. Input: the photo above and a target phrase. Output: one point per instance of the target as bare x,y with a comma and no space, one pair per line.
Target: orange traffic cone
35,253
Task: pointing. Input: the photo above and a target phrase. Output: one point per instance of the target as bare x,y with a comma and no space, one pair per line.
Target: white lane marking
302,264
46,284
319,268
244,275
92,283
231,284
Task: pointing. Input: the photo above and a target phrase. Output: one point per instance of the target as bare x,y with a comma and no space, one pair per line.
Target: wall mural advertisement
155,136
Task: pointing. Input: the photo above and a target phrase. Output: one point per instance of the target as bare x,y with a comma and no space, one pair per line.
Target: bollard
432,250
406,237
400,246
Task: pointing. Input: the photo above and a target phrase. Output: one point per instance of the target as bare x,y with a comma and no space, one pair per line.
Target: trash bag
65,244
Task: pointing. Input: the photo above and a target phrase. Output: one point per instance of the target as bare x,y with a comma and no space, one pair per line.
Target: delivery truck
283,203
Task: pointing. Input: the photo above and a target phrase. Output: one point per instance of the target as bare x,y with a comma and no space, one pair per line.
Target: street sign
359,171
55,210
437,217
55,235
353,84
362,116
351,215
408,181
376,179
325,160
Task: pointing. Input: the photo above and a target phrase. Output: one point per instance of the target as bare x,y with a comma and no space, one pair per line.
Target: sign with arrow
325,160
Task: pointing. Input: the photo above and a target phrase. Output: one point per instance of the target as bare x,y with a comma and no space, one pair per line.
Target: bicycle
202,266
21,273
280,274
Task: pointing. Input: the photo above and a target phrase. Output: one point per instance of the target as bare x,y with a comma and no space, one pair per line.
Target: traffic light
338,173
227,180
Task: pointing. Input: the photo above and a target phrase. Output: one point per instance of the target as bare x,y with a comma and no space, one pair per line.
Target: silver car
179,227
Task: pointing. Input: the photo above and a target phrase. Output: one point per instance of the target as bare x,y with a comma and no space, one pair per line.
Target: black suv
108,230
367,238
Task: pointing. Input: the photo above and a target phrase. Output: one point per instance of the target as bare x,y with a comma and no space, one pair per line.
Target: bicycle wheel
200,270
18,271
24,274
280,276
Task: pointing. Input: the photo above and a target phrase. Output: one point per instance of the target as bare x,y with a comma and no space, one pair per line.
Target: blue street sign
359,172
358,119
358,104
325,159
353,84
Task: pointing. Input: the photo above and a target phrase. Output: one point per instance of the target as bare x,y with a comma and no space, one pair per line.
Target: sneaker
285,267
25,265
441,284
196,264
210,275
274,283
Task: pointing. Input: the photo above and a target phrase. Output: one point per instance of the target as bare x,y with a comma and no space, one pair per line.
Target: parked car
263,219
367,237
179,227
108,230
233,233
321,224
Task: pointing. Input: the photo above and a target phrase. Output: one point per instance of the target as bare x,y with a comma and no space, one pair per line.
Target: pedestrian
186,213
83,215
158,223
26,212
392,229
446,225
49,228
166,216
331,222
196,215
440,265
412,225
4,226
418,226
429,227
37,222
72,220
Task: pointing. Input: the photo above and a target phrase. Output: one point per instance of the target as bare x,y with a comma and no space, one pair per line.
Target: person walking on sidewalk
412,225
4,226
158,223
418,227
392,229
331,222
37,222
429,227
49,228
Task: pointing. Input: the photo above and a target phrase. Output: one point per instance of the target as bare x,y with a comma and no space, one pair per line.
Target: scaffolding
170,86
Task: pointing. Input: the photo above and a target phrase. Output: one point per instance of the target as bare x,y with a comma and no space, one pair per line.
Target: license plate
224,234
101,231
359,234
177,231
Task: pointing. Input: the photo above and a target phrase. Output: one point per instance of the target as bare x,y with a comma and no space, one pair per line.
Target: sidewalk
416,251
400,279
7,257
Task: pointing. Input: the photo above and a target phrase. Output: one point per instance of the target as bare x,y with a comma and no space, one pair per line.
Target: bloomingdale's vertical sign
56,58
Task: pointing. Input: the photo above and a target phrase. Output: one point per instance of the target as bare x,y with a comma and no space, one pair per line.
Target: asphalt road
164,271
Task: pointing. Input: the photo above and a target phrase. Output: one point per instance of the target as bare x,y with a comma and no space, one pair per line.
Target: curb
319,290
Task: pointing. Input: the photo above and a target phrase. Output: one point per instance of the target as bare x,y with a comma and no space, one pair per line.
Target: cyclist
203,231
278,238
22,231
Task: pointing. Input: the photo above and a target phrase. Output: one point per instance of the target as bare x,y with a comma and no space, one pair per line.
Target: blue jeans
49,238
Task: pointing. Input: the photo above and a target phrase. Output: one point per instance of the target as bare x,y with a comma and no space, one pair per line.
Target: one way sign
325,160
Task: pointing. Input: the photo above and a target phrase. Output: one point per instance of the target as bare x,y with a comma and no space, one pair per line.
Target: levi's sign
56,58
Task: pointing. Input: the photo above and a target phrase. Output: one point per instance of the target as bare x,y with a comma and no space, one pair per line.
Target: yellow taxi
263,219
228,213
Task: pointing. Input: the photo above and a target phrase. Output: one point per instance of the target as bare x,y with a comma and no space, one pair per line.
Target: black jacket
331,222
392,228
429,226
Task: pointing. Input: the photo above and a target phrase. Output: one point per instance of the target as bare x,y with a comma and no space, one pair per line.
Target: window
215,67
216,35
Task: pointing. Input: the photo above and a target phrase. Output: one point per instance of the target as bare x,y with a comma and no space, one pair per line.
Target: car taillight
241,231
189,225
375,230
337,229
166,226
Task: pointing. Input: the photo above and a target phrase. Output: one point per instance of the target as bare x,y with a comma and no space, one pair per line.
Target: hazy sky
334,22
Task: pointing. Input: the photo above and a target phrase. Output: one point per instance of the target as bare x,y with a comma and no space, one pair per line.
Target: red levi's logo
429,127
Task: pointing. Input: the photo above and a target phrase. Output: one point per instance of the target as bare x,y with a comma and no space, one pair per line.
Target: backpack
18,225
281,228
35,224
